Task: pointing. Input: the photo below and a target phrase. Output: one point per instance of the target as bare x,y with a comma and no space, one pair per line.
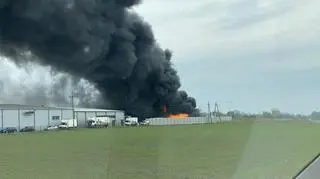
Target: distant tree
275,112
315,115
266,114
287,115
231,113
235,114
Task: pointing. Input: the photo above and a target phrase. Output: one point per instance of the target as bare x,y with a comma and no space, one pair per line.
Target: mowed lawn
238,150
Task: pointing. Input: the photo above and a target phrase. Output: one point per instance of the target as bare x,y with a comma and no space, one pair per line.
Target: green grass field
238,150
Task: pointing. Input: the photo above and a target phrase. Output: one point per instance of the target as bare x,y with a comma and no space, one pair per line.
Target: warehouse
40,117
82,115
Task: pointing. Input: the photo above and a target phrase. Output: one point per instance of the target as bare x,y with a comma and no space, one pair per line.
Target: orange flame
179,116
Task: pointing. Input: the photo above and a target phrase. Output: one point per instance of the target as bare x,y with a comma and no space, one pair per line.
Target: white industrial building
82,115
40,117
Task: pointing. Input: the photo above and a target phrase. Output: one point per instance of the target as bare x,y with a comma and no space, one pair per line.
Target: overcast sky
252,55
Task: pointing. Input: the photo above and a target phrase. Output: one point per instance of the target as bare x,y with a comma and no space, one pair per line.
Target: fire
174,116
178,116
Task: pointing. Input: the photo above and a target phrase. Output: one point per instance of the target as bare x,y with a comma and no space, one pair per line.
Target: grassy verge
246,149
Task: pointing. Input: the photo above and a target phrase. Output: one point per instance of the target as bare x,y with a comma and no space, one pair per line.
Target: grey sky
247,54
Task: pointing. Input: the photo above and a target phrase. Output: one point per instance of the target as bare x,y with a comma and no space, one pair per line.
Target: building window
55,117
106,115
28,113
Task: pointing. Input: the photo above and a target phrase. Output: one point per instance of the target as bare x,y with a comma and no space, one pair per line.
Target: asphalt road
312,171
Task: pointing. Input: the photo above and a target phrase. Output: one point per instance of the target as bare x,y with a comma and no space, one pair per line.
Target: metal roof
94,110
23,106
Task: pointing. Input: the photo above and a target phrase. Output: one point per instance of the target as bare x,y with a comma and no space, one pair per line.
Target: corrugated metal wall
119,117
189,120
39,119
83,116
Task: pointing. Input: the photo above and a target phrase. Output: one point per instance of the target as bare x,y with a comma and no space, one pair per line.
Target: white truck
131,121
145,123
99,121
68,123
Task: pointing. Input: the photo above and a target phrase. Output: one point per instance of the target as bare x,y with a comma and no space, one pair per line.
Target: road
312,171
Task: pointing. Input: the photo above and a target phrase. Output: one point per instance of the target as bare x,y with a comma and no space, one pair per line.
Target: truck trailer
68,123
99,121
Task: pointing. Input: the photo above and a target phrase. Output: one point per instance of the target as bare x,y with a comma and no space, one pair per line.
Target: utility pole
51,91
209,112
72,104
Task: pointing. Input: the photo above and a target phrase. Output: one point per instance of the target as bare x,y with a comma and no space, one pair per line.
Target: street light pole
72,106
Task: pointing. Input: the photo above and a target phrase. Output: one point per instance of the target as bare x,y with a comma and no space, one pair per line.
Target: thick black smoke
100,41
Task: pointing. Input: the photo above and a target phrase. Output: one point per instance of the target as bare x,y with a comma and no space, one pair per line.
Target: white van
68,123
99,121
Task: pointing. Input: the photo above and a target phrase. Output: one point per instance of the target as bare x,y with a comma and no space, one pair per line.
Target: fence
189,120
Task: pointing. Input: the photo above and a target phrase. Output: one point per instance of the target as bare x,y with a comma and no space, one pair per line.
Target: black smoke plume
102,41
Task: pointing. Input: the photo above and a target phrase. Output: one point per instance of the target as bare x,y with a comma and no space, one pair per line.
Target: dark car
2,130
9,130
27,129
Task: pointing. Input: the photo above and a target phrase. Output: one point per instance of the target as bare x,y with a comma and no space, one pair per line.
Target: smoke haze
101,41
37,85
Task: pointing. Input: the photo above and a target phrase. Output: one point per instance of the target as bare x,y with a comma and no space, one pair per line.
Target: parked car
27,129
51,128
130,123
9,130
145,123
96,123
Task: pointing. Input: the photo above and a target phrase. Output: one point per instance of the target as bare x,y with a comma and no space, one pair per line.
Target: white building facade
40,117
83,114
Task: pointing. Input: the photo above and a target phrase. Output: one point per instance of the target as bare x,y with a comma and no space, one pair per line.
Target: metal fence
189,120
